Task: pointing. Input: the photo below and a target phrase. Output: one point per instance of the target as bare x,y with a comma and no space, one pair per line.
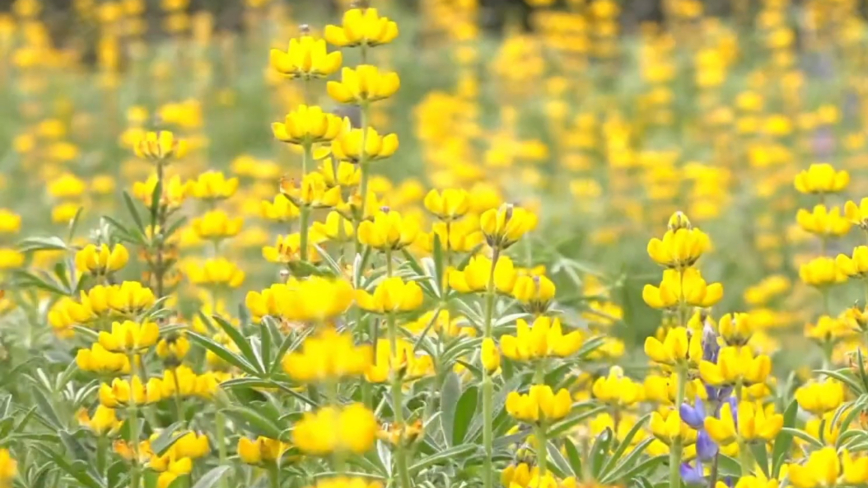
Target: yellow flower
388,230
759,481
336,228
160,146
10,222
535,292
489,355
174,191
352,428
341,173
823,468
544,339
219,272
216,224
404,363
123,393
191,445
448,205
821,178
328,356
8,467
617,389
857,214
539,404
855,267
100,360
364,84
504,226
175,346
313,192
349,146
103,421
305,58
346,482
736,364
736,329
281,209
313,299
685,286
129,336
459,236
260,451
391,295
287,249
66,185
820,397
823,222
475,276
757,422
520,474
101,260
307,125
10,258
821,271
677,347
830,329
679,248
213,185
361,26
667,426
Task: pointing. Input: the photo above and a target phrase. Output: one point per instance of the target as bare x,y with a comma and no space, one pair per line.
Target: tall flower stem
220,428
363,167
487,383
542,442
398,405
305,209
676,448
133,419
159,271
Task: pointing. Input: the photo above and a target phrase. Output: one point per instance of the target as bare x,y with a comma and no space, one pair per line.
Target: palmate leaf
241,342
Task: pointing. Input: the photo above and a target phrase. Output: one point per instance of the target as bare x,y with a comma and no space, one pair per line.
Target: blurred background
604,115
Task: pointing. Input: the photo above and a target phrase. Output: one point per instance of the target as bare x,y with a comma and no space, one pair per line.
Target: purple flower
710,347
706,448
692,475
693,416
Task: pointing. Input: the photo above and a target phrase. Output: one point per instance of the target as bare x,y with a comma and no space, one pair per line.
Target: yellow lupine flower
539,404
448,205
677,347
857,214
520,474
403,363
174,191
830,329
328,356
8,467
346,482
459,236
305,58
128,336
824,468
261,450
216,224
313,191
820,397
736,329
391,295
101,260
823,222
281,209
754,423
821,271
363,84
663,389
100,360
313,299
361,26
736,364
475,276
855,266
348,147
341,173
489,355
215,272
10,222
504,226
336,228
175,346
104,420
534,291
307,125
352,428
388,230
821,178
666,425
617,389
684,286
160,146
545,338
679,248
122,392
213,185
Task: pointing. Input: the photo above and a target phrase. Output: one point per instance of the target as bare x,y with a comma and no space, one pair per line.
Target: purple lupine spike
694,416
692,475
710,347
706,448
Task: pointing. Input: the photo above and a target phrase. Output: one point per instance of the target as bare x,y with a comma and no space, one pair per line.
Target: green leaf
260,383
439,267
761,456
46,408
804,436
449,397
442,457
554,454
624,444
52,243
574,457
600,450
156,196
290,343
464,413
565,425
166,438
784,440
256,422
211,478
134,212
240,341
628,461
76,469
73,224
637,469
840,375
265,346
223,353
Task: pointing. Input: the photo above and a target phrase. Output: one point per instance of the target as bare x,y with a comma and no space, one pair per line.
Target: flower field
393,244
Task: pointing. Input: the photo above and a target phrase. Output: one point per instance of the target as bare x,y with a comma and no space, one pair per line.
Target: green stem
220,422
133,419
398,406
363,167
542,448
101,451
274,475
487,383
388,262
675,449
179,409
305,209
